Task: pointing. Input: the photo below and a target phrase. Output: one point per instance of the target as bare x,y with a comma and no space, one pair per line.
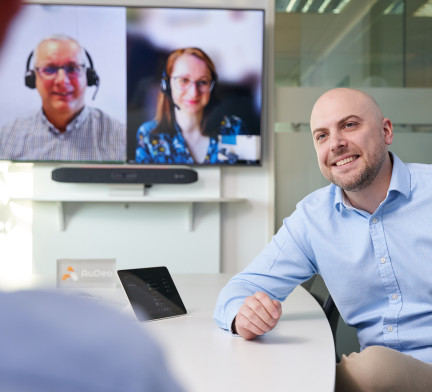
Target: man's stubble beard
365,177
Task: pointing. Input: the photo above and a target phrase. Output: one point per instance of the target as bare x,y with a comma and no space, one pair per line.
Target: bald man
368,235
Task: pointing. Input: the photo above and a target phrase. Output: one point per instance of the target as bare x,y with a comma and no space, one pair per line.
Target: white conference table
297,355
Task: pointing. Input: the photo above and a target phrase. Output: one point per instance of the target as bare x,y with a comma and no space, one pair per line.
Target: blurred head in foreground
57,342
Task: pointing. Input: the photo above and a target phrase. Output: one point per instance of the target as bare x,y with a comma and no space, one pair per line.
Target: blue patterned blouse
167,148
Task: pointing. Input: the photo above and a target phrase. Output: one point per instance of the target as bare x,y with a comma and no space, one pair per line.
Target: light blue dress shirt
377,267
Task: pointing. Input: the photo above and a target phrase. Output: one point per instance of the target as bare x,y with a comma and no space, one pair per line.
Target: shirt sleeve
283,264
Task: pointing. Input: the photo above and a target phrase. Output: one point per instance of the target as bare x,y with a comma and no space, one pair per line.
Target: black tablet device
151,292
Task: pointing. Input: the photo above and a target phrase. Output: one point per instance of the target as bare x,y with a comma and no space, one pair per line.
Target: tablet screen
152,293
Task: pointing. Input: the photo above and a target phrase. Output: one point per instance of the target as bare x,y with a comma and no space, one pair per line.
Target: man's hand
258,315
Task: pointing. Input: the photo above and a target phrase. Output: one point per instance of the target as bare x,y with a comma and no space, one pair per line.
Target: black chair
344,336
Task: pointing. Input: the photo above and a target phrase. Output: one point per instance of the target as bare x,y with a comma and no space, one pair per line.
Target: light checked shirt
92,136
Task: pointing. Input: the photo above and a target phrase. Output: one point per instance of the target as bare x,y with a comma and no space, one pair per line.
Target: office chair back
344,336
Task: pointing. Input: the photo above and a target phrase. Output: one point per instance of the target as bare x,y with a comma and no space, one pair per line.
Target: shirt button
383,260
374,220
390,328
395,296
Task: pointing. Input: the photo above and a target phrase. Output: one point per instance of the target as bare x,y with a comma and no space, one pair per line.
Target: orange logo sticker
70,275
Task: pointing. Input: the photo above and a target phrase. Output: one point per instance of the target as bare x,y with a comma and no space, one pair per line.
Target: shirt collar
401,177
400,182
74,124
78,120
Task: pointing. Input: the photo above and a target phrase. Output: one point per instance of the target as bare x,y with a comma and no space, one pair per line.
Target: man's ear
387,127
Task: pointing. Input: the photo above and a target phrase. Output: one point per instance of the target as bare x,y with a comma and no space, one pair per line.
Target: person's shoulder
420,176
25,119
419,168
319,199
101,116
232,119
9,127
413,167
232,125
313,209
146,127
20,124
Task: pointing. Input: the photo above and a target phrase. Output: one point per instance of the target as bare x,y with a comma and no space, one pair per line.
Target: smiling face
61,96
190,100
350,137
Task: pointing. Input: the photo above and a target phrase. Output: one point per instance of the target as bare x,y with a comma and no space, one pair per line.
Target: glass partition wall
381,46
368,43
352,43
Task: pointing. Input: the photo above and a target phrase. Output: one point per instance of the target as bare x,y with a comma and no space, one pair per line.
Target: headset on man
91,74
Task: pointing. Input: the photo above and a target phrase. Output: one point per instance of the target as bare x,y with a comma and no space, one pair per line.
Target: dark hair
165,117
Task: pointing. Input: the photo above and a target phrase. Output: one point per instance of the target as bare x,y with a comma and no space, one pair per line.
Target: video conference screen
135,85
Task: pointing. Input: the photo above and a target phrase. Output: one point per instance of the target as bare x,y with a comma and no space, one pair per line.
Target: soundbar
132,175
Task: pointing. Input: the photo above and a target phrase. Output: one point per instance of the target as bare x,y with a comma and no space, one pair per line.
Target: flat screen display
133,85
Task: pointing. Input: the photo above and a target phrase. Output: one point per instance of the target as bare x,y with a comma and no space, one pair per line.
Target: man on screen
65,129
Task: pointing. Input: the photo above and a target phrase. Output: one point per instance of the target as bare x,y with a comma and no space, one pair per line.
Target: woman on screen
181,131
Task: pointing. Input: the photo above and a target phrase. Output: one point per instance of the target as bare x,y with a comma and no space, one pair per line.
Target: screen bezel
262,112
